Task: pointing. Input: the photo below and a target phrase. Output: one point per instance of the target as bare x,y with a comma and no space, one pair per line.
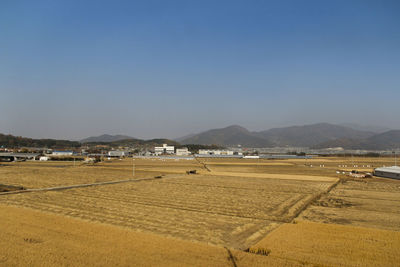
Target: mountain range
105,138
320,135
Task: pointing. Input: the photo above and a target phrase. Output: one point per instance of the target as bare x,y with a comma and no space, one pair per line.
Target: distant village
97,153
101,152
104,152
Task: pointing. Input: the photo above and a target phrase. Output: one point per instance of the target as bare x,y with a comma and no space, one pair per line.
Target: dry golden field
35,174
32,238
371,202
226,211
231,204
317,244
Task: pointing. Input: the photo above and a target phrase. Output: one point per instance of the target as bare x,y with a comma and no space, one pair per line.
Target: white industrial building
164,149
182,151
388,172
62,153
215,152
118,153
251,157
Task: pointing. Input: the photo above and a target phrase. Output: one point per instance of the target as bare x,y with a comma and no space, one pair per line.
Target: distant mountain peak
236,128
229,136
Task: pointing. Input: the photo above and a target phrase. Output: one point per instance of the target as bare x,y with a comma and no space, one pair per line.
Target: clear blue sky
70,69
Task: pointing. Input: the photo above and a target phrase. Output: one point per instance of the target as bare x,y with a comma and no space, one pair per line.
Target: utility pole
133,167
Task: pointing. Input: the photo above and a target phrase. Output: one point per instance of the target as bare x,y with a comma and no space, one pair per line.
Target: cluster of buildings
165,149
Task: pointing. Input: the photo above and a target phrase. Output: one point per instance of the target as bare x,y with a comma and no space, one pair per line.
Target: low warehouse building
215,152
182,151
62,153
118,153
388,172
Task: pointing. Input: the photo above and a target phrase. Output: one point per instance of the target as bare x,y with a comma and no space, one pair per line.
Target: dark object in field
8,188
158,176
191,172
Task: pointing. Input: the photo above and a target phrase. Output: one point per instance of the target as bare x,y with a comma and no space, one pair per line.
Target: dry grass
226,211
243,167
32,238
332,245
277,176
363,202
50,174
236,205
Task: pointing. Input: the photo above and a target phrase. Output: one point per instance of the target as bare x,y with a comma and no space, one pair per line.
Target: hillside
384,141
231,135
346,143
367,128
11,141
136,142
105,138
311,135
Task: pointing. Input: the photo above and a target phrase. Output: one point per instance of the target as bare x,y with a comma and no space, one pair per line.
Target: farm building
388,172
164,149
182,151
